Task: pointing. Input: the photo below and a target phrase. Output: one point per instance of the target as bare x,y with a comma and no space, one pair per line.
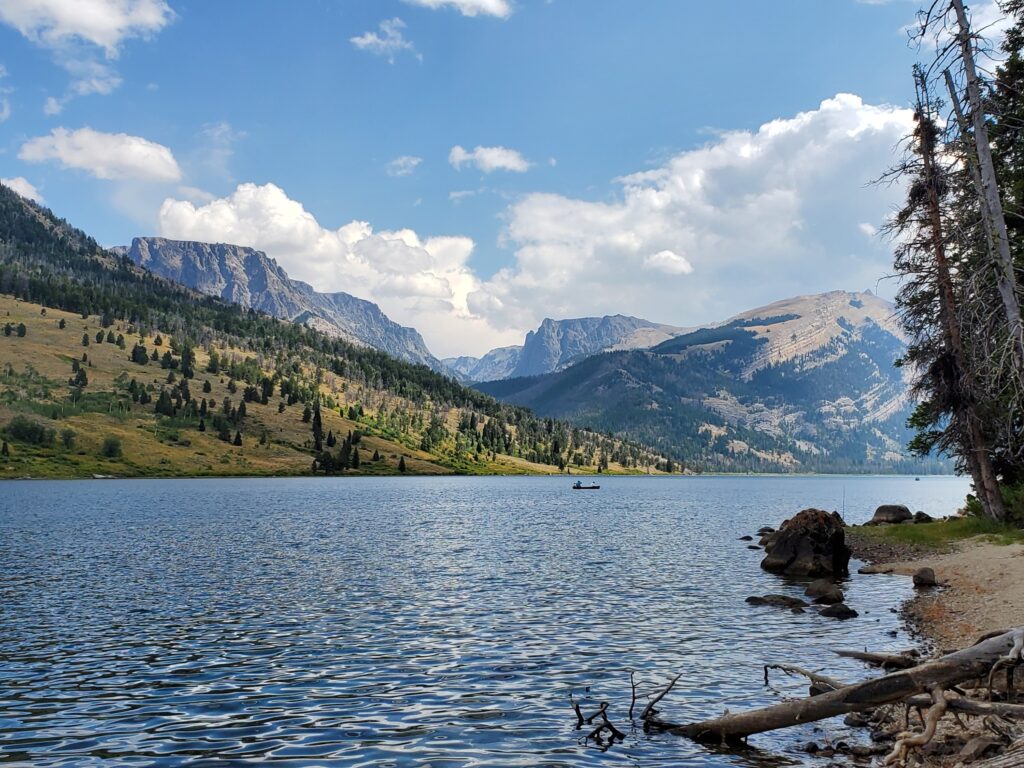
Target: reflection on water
405,621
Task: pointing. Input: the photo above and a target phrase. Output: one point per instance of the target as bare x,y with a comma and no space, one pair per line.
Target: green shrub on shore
111,448
26,430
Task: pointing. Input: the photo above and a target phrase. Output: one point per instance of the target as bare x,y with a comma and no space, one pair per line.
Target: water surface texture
407,621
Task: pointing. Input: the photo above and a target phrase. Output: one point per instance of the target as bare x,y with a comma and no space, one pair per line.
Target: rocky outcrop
252,279
496,364
891,514
812,543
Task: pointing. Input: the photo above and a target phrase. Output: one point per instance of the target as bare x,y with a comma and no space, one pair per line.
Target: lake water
407,621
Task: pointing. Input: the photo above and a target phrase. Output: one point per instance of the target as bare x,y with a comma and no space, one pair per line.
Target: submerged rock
891,513
840,611
778,601
812,543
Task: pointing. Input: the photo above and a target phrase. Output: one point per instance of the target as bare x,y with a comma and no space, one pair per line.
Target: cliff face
250,278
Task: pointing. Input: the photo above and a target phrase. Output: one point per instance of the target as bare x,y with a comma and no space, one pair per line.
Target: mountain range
557,344
805,384
252,279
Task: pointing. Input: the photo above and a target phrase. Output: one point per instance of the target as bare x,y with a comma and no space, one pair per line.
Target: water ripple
407,621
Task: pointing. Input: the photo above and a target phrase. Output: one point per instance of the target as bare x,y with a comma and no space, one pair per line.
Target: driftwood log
931,677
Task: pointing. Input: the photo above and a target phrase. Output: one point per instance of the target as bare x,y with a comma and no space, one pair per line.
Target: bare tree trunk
968,664
991,205
980,463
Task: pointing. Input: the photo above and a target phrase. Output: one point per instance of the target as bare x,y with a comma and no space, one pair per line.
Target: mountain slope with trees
104,349
807,384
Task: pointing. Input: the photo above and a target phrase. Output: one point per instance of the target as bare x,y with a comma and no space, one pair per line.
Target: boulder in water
812,543
840,611
778,601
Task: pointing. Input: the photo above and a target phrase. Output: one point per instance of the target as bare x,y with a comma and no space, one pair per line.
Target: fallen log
968,664
883,660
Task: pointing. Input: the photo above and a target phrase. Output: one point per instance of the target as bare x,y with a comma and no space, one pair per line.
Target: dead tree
931,677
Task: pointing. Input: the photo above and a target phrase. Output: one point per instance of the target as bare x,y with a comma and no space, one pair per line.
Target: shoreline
979,585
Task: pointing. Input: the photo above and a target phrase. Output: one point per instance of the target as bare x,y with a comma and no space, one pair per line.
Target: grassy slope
943,533
157,447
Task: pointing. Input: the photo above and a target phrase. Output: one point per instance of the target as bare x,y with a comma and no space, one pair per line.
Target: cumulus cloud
500,8
419,281
75,29
23,187
104,155
747,219
103,23
489,159
403,166
387,41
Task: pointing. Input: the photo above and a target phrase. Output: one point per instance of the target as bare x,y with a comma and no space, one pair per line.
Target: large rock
812,543
891,513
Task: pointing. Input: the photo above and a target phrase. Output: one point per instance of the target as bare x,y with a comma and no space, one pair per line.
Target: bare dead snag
908,740
649,710
827,683
968,664
883,660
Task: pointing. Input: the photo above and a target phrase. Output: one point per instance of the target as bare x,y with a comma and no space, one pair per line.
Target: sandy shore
981,586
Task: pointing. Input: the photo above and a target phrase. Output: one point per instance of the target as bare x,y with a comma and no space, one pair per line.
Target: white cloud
668,262
23,187
500,8
389,41
419,281
869,229
752,217
104,155
75,29
5,109
489,159
103,23
747,219
403,166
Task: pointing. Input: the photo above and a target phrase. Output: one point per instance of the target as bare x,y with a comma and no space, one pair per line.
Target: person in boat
578,484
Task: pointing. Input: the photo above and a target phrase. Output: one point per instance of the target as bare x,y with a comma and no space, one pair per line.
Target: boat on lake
579,486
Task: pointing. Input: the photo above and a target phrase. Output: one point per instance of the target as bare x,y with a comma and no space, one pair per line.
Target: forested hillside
96,346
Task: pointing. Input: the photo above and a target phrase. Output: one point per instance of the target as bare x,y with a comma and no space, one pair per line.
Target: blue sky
476,165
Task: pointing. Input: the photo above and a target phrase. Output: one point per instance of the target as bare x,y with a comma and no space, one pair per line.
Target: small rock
856,720
833,596
746,538
840,611
923,517
779,601
891,513
925,577
978,747
765,530
811,748
824,592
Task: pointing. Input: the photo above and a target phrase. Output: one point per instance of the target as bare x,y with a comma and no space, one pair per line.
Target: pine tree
331,439
307,414
376,455
8,329
238,438
85,339
318,429
22,330
401,464
207,387
202,423
355,458
5,450
164,406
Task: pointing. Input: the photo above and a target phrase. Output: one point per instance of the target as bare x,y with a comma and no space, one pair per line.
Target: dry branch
969,664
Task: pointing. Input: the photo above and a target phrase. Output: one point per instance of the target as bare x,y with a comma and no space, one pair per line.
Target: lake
409,621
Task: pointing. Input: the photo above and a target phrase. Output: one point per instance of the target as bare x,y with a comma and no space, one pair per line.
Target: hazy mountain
805,384
251,278
497,364
556,344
